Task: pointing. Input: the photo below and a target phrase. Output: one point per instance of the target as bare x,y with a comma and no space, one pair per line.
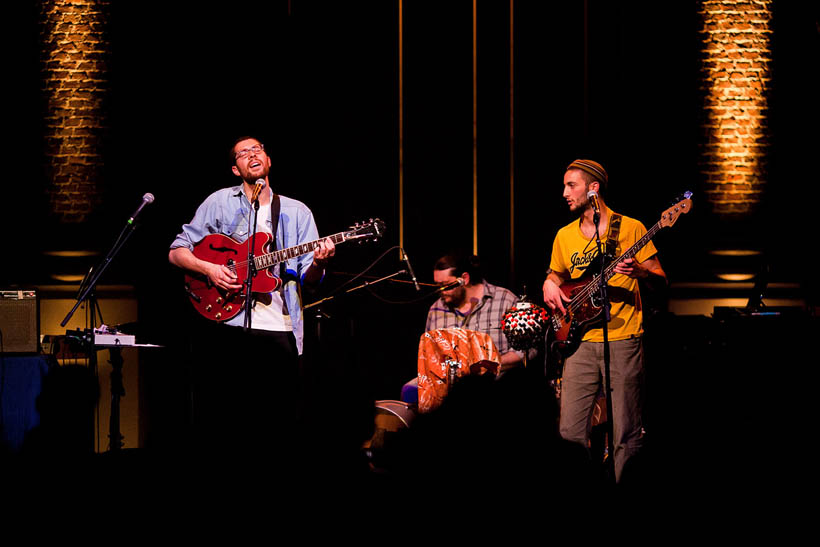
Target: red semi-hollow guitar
586,309
222,305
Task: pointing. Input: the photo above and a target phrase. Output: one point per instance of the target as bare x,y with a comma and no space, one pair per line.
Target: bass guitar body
218,304
566,330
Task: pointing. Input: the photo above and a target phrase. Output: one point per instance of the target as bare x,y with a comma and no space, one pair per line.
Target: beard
580,206
251,176
455,297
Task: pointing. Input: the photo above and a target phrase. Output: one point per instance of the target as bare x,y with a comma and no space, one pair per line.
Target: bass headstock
683,206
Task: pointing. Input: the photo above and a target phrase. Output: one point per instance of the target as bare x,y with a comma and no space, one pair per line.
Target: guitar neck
609,271
274,258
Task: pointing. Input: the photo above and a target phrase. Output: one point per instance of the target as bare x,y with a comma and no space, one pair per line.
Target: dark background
318,83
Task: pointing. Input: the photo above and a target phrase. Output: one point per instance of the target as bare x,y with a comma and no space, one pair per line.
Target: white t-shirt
271,316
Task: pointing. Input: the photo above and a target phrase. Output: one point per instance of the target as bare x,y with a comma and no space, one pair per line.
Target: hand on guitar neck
321,255
649,271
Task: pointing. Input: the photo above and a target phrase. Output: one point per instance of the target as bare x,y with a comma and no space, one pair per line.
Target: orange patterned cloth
441,349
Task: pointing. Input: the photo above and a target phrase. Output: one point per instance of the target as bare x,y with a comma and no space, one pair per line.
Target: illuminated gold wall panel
74,49
735,70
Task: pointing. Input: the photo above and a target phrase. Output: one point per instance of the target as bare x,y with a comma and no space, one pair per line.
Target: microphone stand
251,267
87,295
602,291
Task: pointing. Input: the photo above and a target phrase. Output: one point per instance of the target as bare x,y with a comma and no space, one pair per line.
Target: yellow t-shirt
572,254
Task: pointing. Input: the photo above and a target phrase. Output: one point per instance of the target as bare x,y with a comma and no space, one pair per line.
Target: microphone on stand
594,202
457,283
592,196
146,199
410,269
260,183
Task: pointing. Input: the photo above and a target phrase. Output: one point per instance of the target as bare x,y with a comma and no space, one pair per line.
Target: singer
475,305
244,376
575,252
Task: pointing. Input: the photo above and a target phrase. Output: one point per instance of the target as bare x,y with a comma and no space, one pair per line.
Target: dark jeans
583,377
246,390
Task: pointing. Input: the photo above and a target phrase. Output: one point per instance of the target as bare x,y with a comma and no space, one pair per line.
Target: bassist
574,253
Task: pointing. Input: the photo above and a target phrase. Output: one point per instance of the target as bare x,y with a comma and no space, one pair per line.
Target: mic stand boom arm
91,284
362,286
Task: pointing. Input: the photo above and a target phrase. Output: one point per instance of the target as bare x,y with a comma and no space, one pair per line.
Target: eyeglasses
245,152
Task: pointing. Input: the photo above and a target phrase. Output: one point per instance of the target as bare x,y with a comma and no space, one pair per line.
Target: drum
393,415
391,418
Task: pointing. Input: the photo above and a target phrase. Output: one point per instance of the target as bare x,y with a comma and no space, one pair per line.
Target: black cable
370,290
357,276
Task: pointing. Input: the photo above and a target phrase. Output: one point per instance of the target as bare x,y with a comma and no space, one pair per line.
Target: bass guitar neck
586,307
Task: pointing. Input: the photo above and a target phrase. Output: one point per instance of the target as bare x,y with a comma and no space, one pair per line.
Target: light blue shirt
229,212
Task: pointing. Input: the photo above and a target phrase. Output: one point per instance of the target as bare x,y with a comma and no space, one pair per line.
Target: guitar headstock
683,206
366,231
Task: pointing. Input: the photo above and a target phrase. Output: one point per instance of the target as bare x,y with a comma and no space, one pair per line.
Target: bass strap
612,238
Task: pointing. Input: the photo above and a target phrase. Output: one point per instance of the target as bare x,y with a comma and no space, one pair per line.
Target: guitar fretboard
668,218
274,258
609,271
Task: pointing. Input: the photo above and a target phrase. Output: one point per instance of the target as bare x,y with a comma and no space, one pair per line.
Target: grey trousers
583,376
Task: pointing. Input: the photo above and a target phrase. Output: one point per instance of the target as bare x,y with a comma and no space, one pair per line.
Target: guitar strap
275,206
274,218
614,232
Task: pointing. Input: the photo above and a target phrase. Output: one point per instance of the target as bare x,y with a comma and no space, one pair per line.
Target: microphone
260,183
410,269
457,283
592,196
146,199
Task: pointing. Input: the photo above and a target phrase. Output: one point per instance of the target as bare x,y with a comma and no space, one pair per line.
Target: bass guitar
564,331
222,305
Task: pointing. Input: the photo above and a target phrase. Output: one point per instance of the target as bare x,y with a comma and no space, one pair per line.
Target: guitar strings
592,286
243,263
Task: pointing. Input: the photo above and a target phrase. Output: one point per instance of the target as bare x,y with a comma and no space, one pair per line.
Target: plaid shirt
485,317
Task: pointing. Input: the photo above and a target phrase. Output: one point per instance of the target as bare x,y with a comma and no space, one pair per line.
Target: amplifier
19,321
